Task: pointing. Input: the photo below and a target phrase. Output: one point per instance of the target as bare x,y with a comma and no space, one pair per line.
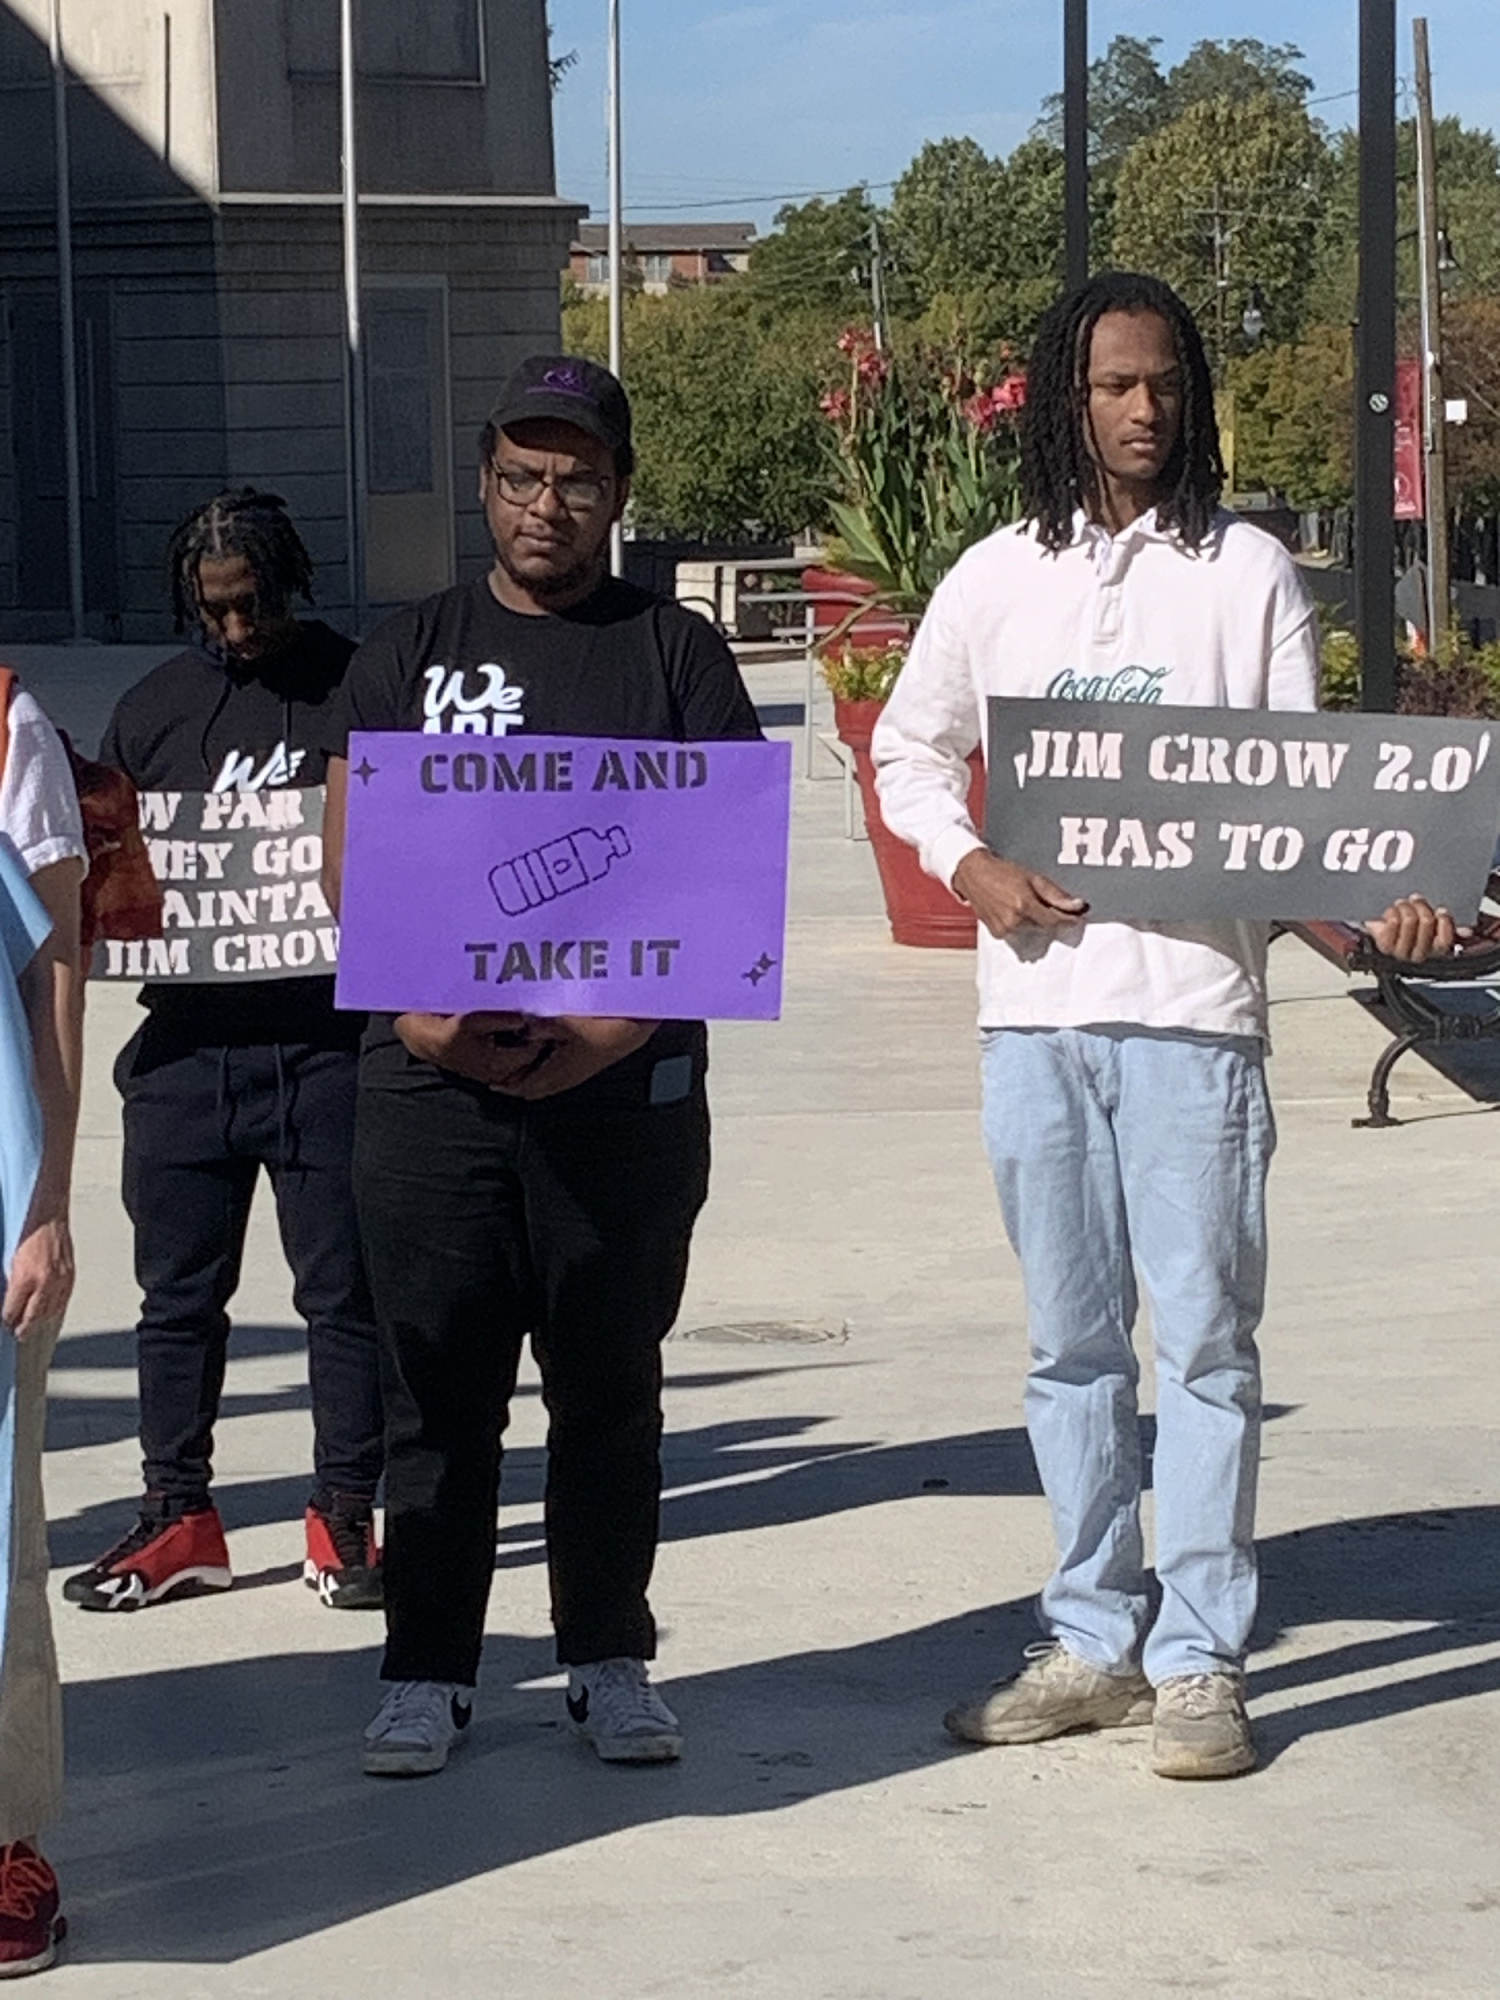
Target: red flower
1009,395
873,366
835,405
854,340
981,413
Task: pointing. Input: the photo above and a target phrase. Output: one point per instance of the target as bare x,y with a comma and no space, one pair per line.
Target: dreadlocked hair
239,523
1058,475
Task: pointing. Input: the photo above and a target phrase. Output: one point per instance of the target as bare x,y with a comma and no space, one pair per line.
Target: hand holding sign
493,1048
575,1048
1007,898
1413,930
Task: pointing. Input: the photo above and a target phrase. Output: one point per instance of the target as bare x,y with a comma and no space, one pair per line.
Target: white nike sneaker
614,1706
418,1723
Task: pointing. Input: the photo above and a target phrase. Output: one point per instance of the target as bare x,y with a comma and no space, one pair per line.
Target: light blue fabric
24,924
1116,1151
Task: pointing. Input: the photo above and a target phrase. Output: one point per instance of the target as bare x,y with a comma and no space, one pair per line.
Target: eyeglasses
580,492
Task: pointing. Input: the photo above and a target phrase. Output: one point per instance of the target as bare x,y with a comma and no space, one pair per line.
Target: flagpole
354,415
67,355
616,247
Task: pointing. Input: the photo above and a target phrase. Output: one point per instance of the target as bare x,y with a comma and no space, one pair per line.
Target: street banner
1189,814
565,875
1411,483
242,898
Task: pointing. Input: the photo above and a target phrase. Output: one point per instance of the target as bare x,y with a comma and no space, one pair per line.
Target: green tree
729,440
1225,198
818,256
1238,70
1468,184
949,223
1128,101
1294,419
1131,97
977,243
1471,343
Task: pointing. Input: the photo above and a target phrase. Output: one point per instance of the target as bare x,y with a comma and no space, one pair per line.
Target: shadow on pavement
115,1348
76,1423
218,1810
721,1478
1438,1569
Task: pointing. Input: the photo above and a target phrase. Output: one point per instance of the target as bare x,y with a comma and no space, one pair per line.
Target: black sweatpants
199,1126
486,1220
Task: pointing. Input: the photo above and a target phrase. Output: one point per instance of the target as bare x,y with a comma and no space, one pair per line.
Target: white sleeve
924,736
38,801
1294,671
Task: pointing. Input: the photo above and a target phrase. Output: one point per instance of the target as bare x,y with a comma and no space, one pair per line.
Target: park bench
1411,995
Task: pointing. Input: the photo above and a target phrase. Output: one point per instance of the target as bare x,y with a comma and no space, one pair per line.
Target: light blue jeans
1117,1150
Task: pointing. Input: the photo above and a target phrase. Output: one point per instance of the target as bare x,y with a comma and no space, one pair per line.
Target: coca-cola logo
1140,684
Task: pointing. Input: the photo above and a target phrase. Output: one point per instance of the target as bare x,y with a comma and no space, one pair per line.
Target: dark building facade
209,305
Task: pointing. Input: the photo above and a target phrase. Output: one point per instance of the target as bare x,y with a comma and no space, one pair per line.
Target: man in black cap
518,1176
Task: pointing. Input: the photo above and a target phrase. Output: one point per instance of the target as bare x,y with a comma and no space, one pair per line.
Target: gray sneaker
416,1726
614,1707
1202,1730
1052,1695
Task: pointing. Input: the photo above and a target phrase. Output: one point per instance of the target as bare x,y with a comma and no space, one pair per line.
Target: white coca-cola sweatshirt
1135,617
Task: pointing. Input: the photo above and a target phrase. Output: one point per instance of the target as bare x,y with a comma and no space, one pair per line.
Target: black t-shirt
623,663
197,724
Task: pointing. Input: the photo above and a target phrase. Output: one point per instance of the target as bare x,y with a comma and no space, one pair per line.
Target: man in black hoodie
221,1081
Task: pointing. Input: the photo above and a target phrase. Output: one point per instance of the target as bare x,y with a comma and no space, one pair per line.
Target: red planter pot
873,628
921,910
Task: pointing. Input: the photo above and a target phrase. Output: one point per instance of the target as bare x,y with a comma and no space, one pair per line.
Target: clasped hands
522,1055
1008,898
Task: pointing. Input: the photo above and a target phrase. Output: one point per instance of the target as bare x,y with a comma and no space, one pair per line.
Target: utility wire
793,194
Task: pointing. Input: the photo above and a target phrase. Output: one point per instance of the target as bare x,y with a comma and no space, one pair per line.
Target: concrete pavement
852,1534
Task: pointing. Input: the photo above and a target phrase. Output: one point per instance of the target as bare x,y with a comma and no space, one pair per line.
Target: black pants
199,1126
486,1220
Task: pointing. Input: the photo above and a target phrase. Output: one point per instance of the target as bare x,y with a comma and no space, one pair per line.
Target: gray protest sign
1199,813
242,898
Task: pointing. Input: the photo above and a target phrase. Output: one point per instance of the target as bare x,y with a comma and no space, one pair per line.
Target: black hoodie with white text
198,723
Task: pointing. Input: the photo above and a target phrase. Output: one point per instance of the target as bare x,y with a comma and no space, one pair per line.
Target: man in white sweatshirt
1125,1106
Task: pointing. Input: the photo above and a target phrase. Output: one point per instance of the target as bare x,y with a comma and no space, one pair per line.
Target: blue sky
741,105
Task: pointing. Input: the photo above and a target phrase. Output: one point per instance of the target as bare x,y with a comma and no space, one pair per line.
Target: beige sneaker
1053,1694
1202,1730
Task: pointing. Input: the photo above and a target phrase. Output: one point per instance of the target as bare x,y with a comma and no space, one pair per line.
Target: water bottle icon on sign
558,867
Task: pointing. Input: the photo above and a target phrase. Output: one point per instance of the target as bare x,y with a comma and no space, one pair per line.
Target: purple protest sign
565,875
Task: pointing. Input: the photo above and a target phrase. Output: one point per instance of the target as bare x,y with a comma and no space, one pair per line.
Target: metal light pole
877,288
67,356
1375,360
616,248
1434,409
355,456
1076,139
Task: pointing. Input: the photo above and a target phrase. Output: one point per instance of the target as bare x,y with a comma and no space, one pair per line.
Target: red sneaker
159,1559
31,1926
343,1556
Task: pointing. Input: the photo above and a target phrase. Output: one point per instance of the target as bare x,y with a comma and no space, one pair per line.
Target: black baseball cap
571,391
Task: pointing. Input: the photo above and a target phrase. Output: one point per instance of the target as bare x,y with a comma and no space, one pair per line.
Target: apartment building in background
659,255
209,307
